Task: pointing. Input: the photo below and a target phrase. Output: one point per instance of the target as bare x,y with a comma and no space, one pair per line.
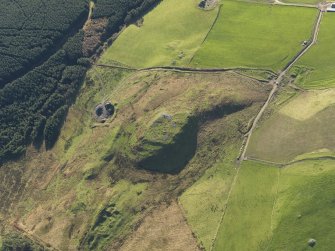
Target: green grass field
305,207
304,125
170,34
255,35
280,209
319,62
246,225
309,103
204,201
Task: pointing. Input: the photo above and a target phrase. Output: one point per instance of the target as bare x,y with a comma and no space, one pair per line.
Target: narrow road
276,83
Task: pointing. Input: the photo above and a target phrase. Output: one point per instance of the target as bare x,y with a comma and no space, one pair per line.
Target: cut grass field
170,34
270,41
304,124
280,209
316,67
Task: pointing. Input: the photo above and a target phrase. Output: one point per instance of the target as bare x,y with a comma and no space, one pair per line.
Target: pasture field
205,201
246,225
309,103
280,209
304,208
304,124
170,34
239,39
315,69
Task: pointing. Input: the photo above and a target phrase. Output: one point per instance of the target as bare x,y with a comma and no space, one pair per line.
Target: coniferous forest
42,64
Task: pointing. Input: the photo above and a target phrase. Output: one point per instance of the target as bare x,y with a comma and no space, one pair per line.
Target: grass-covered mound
169,143
255,35
165,111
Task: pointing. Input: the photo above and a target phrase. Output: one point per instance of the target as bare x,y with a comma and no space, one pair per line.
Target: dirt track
278,2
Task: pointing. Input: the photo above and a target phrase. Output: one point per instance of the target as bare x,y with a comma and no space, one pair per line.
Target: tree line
33,107
120,12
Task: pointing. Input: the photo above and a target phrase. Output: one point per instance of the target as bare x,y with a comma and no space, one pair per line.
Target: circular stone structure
104,111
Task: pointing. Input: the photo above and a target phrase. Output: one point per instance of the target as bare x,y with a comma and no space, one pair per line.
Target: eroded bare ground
164,229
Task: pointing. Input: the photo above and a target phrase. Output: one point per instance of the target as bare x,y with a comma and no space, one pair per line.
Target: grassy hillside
302,125
239,39
163,172
90,189
249,210
315,69
297,217
275,209
205,201
164,137
170,34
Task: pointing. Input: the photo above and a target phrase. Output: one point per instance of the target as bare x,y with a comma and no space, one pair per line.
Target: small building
331,8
